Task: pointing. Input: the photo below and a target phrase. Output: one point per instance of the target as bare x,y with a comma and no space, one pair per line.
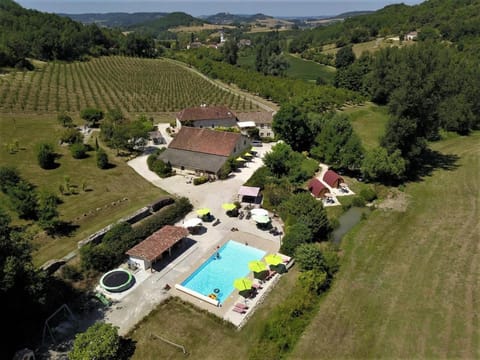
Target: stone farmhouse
203,151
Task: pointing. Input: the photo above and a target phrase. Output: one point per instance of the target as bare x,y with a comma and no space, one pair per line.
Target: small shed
317,188
332,179
249,194
152,248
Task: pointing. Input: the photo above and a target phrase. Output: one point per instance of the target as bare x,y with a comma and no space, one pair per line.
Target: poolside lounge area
226,310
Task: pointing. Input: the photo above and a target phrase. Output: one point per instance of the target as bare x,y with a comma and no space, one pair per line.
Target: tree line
428,87
33,34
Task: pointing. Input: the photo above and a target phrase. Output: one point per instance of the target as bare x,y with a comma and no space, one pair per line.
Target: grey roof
193,160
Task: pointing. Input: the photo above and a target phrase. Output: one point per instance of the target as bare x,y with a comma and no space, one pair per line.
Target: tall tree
344,57
292,126
230,52
338,145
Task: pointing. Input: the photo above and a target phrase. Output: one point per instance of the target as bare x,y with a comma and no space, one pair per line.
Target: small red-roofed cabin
332,179
316,188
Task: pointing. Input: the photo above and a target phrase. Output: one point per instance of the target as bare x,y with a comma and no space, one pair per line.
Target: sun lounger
238,310
257,286
241,306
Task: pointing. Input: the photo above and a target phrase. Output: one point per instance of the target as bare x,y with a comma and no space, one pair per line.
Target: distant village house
411,36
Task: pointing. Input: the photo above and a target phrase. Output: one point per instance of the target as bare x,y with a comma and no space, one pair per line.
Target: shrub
158,166
45,156
368,194
65,120
309,257
168,215
92,116
9,176
71,136
71,273
102,159
295,235
200,180
78,150
358,201
260,177
100,341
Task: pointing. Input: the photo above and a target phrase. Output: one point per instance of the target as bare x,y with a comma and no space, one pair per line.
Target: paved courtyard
130,307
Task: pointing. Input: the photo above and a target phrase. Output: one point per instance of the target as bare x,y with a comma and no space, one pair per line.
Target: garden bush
358,201
368,194
78,150
158,166
102,159
45,156
200,180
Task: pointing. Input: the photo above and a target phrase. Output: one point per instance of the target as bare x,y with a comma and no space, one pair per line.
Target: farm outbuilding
317,188
206,117
332,179
152,248
203,151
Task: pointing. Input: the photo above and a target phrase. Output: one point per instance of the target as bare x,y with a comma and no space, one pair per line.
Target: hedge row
111,251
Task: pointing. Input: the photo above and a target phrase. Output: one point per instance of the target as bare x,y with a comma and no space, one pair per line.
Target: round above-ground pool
117,280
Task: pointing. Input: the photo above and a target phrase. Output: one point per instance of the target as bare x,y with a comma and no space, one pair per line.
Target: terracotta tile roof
205,141
259,117
156,244
316,187
332,178
206,113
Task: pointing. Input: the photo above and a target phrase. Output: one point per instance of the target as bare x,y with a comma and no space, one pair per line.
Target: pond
347,221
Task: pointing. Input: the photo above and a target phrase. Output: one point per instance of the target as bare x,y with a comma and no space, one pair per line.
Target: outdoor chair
241,306
239,310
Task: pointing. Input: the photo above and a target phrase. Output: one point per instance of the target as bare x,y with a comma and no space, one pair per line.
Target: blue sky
201,7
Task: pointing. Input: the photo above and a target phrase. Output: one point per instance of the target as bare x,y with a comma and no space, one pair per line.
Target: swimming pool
216,276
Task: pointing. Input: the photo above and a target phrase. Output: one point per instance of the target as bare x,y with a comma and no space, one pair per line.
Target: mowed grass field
408,285
99,197
369,122
298,69
309,70
132,84
204,335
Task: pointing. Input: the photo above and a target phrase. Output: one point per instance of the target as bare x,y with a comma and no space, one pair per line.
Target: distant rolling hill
223,18
120,20
166,22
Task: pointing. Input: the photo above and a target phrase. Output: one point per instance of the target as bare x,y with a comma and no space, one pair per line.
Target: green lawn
309,70
369,123
409,281
92,209
299,68
204,335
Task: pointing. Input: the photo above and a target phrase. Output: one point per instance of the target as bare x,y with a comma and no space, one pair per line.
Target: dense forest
32,34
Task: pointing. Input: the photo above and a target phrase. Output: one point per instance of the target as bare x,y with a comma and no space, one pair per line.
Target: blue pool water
220,273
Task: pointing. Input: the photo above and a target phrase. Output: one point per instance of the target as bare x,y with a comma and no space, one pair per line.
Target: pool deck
225,310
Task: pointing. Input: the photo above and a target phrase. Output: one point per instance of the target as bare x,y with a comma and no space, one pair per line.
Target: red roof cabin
152,248
333,179
317,188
